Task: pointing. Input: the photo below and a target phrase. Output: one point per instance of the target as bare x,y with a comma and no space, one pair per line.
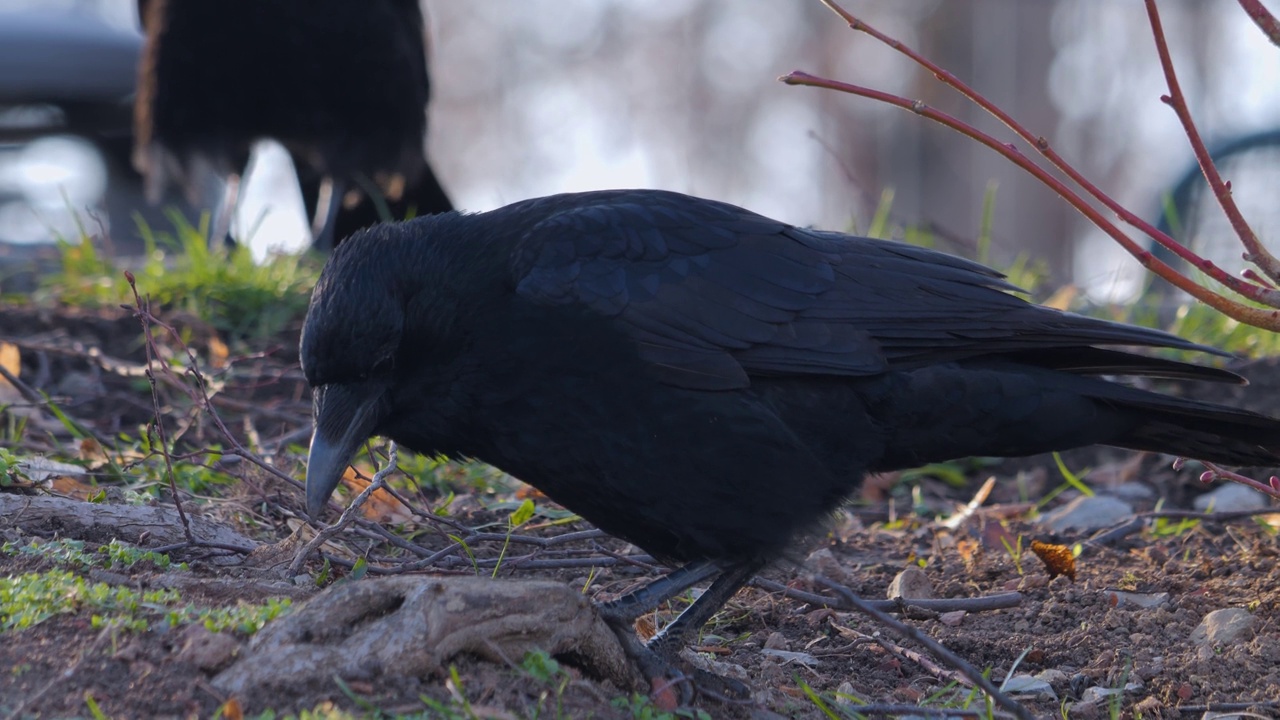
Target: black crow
708,383
342,85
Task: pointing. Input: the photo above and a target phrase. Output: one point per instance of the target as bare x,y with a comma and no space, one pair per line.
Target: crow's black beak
345,416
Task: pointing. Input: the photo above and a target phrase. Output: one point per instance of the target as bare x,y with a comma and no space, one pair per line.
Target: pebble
1087,513
1054,676
1132,491
1223,627
1142,600
777,641
1230,497
1097,694
1029,685
911,584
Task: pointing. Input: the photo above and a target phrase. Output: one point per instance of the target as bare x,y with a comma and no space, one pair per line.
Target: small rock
953,618
1098,694
1054,676
911,584
1223,627
207,650
1087,513
1132,491
824,562
777,641
1230,497
1121,598
786,656
1029,685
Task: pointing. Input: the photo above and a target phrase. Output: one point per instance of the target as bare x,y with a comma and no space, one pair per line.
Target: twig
1263,18
938,650
1255,252
1257,317
142,314
979,604
1214,472
352,511
1136,522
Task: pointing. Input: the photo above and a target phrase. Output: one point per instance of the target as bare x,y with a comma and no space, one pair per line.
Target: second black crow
342,85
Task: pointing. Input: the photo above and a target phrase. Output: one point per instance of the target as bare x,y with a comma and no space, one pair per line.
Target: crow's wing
714,294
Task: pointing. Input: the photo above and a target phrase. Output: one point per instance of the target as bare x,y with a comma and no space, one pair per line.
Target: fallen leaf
1057,559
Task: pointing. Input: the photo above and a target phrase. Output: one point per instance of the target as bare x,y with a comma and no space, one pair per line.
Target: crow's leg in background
218,192
656,659
328,203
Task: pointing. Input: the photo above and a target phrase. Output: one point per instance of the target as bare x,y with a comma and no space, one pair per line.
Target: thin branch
960,664
1262,294
1255,252
1263,18
142,313
1257,317
348,515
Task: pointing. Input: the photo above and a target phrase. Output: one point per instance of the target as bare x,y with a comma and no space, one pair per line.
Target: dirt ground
1107,640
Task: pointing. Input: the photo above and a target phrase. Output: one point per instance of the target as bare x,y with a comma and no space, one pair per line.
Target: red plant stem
1263,18
1258,317
1252,291
1254,250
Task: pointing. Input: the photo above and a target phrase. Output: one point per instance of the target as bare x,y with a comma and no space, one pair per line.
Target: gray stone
1141,600
1087,513
1230,497
1223,627
1132,491
1098,694
1029,685
911,584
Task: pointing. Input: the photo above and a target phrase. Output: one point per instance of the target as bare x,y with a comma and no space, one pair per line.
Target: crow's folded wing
714,294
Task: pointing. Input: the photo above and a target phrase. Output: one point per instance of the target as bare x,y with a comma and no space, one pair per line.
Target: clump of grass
226,289
71,553
32,598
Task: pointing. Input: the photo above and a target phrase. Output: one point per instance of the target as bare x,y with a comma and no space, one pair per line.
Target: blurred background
532,97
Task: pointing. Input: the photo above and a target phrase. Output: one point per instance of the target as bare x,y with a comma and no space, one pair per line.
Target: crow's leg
327,206
217,192
670,686
636,603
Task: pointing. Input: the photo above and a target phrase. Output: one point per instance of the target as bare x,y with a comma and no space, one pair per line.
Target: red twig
1253,316
1252,291
142,313
1261,291
1263,18
1254,250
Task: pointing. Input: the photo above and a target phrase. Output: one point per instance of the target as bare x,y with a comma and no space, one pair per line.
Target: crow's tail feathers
1199,431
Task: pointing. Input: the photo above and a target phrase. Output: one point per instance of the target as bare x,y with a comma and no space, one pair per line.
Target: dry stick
1255,252
1250,315
979,604
141,314
1260,292
201,396
932,645
1263,18
1214,472
379,479
1135,523
40,400
915,710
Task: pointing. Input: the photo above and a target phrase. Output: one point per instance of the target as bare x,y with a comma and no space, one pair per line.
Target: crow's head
350,340
384,326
